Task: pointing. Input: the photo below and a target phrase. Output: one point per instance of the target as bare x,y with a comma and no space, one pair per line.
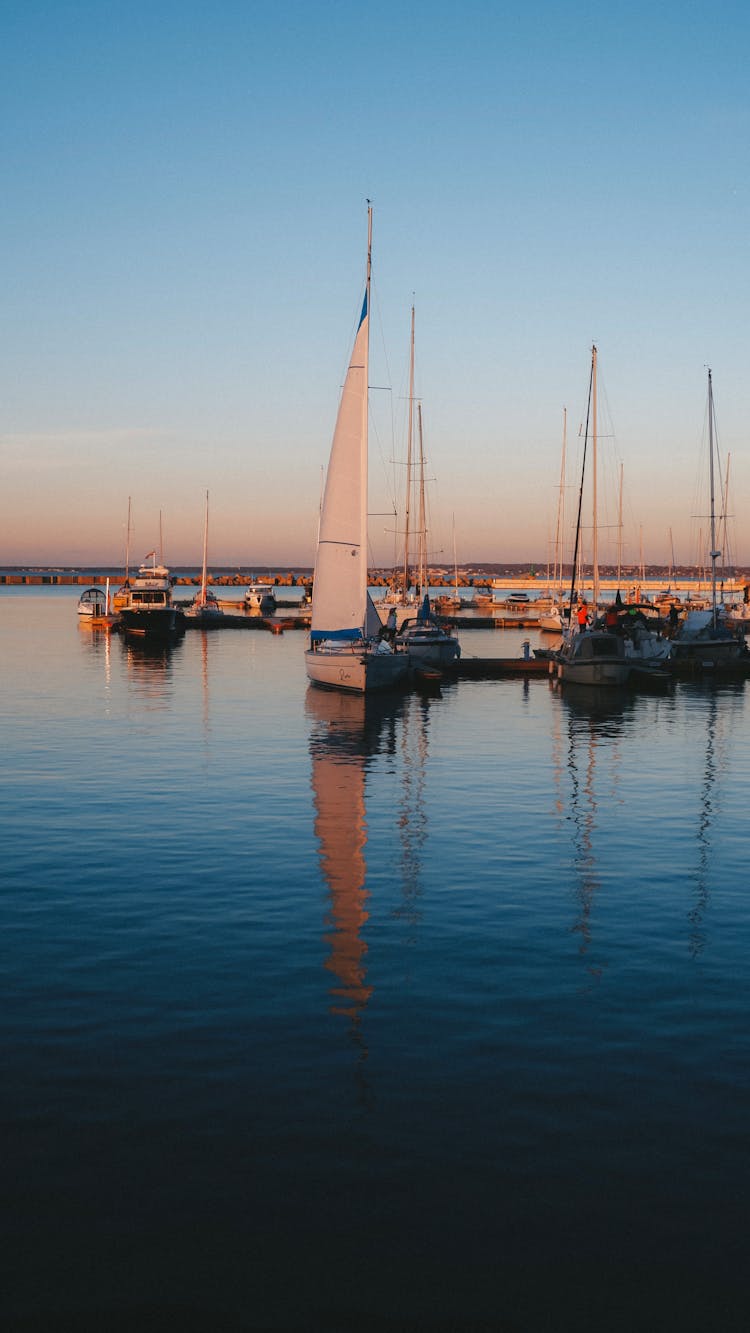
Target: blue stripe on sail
363,315
345,635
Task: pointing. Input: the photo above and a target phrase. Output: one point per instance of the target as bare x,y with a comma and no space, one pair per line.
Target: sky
182,259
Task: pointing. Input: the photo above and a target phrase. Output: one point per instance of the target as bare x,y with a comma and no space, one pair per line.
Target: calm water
318,1020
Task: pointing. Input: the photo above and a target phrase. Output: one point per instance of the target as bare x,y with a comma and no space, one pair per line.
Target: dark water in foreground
435,1018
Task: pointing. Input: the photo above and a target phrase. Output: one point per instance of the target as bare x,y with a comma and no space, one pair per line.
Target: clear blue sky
182,239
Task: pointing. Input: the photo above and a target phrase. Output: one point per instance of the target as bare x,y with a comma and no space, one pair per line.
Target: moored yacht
92,604
593,657
703,642
150,609
426,642
260,597
204,607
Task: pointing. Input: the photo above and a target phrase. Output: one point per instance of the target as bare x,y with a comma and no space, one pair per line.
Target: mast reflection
710,796
594,722
97,640
413,740
346,732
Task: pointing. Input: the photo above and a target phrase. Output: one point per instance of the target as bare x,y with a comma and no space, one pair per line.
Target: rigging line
580,492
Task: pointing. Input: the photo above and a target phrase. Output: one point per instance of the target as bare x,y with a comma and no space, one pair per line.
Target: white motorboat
92,604
260,597
95,609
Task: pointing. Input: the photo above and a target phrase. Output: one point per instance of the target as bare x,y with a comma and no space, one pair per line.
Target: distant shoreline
653,579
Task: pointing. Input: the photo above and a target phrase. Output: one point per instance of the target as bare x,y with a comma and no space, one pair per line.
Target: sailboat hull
594,673
426,645
357,671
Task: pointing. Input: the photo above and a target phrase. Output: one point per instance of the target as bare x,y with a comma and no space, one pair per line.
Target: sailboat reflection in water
596,716
346,732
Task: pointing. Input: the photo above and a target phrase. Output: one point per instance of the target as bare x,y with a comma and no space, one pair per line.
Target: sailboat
204,606
422,637
590,656
703,642
346,649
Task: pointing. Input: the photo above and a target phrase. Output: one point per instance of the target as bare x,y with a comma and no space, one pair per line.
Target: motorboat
94,608
447,602
92,603
260,597
593,657
150,610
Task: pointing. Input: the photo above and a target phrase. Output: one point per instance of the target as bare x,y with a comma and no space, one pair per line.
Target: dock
492,668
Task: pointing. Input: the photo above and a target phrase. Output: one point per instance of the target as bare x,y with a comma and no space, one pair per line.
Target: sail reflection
346,731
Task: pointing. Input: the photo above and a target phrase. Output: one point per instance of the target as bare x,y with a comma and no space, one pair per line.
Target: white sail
346,649
340,584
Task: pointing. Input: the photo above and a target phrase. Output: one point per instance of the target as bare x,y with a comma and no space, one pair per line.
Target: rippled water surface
433,1015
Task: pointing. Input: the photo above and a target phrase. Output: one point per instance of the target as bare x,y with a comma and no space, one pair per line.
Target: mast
422,545
714,553
127,546
558,571
725,551
619,534
594,533
574,571
410,433
205,554
365,421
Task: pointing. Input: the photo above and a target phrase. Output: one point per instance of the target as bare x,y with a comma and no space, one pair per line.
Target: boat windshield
149,598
